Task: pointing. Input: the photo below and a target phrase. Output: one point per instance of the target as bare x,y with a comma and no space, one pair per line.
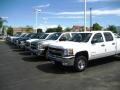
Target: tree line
95,27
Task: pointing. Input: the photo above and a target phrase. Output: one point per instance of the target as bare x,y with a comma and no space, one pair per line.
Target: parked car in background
39,37
21,41
84,47
11,38
21,36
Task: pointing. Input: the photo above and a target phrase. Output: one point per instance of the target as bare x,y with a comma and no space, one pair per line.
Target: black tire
80,63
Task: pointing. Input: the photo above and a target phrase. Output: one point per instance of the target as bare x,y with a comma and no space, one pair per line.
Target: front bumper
27,48
37,52
22,46
65,61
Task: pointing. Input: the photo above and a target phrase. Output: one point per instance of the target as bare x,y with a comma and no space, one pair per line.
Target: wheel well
84,53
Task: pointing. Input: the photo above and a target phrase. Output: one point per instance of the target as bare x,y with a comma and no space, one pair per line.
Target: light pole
84,15
36,19
90,19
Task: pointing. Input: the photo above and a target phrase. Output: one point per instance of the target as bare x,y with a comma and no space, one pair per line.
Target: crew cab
40,48
83,47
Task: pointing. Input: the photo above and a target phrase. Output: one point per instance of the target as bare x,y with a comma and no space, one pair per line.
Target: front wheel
80,63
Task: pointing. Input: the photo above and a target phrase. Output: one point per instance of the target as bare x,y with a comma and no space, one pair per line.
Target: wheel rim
81,64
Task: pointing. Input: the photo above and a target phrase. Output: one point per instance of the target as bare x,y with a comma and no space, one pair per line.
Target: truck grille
27,44
33,46
56,51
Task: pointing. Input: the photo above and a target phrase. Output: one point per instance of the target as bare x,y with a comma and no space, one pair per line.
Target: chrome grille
33,45
56,51
27,44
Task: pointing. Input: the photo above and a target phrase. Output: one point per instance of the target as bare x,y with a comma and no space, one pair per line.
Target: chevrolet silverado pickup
40,48
83,47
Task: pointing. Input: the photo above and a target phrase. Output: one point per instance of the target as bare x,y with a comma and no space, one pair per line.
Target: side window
97,38
108,36
65,37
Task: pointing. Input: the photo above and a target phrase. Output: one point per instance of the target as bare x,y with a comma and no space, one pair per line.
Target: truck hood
70,45
47,42
13,37
31,40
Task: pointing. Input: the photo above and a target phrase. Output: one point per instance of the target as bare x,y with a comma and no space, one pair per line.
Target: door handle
113,43
102,45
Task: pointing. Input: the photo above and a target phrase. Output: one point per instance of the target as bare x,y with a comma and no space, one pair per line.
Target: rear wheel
80,63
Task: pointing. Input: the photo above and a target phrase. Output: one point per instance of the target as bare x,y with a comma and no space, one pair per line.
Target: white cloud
67,17
97,0
69,13
94,12
42,6
106,12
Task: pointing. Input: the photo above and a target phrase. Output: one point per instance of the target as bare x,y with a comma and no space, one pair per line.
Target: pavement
21,71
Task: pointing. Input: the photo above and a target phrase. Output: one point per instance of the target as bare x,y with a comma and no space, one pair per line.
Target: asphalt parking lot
21,71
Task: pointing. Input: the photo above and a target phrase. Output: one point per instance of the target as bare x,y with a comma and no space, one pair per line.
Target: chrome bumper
65,61
37,52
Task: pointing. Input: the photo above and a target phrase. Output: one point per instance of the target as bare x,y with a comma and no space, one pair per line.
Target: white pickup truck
40,48
84,47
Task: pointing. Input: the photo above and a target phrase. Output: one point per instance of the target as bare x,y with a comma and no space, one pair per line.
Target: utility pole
38,9
36,13
84,15
90,19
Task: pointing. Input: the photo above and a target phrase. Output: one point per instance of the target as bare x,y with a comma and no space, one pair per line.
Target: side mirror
94,41
63,39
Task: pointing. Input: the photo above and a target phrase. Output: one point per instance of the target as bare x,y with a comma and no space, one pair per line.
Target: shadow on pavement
25,53
34,59
51,68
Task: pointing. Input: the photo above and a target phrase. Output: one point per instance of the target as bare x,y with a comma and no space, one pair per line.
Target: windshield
33,35
28,35
17,35
22,35
81,37
43,36
54,36
38,35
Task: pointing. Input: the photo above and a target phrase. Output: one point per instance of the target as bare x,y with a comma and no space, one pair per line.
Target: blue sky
59,12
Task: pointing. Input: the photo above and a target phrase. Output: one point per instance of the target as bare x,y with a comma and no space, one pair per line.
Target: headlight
41,46
17,41
22,42
68,52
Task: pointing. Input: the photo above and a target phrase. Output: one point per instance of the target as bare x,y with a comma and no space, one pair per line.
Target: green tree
67,29
2,28
50,30
112,28
57,29
10,31
96,27
39,30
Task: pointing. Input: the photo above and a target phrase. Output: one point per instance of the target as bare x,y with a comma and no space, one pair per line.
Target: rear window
108,36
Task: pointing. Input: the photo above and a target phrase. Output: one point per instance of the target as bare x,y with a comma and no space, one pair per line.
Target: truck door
97,46
110,44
